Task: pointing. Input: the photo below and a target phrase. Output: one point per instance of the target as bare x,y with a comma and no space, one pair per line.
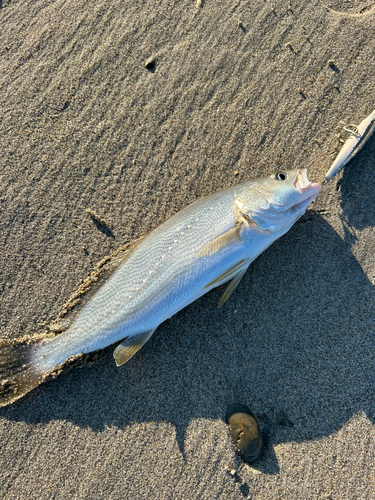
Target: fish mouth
308,190
302,183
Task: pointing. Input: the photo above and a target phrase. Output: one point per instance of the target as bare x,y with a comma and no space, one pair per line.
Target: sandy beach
131,111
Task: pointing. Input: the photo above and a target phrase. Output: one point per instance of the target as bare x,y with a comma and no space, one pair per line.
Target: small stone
199,4
245,432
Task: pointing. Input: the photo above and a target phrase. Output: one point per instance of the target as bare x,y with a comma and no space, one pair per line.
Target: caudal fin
18,374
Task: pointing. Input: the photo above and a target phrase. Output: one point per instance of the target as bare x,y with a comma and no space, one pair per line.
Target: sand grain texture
86,128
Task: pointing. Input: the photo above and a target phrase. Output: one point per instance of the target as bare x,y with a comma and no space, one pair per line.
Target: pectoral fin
232,285
130,346
231,237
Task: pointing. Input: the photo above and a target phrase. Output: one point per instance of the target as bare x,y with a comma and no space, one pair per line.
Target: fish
208,243
355,142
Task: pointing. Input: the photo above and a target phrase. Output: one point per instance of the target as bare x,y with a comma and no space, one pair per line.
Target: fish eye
281,176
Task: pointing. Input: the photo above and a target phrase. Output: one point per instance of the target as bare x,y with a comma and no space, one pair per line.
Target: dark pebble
245,432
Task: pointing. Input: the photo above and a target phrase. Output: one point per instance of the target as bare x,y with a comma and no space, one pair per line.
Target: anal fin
130,346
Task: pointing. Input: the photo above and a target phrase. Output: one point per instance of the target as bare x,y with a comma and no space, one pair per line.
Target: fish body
159,278
210,242
352,146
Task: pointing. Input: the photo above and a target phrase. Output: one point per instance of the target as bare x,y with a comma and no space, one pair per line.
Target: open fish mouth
303,184
308,190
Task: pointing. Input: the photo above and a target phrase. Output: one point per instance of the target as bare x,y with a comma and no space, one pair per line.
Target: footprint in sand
351,8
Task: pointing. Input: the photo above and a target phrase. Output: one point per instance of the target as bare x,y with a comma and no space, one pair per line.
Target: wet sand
96,150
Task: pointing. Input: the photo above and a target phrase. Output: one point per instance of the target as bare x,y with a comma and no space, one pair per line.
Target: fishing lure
359,135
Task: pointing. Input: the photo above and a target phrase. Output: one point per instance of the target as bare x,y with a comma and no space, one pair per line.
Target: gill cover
277,201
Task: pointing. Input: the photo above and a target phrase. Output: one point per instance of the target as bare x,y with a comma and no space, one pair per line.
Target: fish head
276,202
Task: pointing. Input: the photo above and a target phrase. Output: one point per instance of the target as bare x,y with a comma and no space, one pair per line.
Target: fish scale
152,296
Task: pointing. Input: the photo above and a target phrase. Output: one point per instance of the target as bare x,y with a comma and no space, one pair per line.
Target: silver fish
210,242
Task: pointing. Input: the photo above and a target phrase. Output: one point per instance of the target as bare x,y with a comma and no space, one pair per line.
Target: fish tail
19,373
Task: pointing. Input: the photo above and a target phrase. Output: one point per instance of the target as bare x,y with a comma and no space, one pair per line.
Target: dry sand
248,86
